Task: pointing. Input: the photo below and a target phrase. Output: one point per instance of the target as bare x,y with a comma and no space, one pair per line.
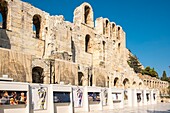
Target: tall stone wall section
85,52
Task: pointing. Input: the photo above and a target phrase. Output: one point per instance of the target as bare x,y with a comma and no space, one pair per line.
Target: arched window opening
104,49
4,12
134,83
87,43
140,83
126,83
113,27
107,27
116,81
87,15
37,75
1,19
80,78
147,83
37,25
118,37
119,47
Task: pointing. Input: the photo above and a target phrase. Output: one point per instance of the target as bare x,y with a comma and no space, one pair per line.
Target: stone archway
37,75
126,83
134,84
88,15
140,84
37,25
80,78
4,13
116,82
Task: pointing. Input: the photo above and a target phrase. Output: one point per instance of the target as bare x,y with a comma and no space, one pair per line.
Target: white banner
39,98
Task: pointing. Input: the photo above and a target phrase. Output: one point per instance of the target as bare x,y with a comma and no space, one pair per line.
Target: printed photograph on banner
13,97
61,97
94,97
125,95
105,97
116,97
78,97
39,98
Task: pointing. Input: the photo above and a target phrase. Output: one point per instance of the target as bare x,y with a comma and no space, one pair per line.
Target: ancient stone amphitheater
38,48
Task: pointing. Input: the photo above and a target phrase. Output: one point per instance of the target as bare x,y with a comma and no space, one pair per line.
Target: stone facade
85,52
154,83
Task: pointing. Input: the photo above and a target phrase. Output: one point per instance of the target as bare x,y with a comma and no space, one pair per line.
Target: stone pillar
144,97
85,79
129,97
46,75
85,100
134,97
110,100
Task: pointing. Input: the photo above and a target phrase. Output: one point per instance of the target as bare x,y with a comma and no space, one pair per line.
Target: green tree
164,76
150,71
134,63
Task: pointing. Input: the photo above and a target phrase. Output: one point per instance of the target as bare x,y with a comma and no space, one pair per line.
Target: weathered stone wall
154,83
66,72
16,65
79,53
19,34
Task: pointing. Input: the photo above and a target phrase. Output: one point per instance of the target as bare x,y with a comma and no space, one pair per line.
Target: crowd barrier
56,98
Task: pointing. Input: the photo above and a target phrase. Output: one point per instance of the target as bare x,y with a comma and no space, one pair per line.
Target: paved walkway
158,108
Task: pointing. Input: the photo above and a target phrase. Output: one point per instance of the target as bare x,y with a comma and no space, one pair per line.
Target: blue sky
146,23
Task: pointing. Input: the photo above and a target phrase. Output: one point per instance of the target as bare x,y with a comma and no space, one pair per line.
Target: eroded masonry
39,48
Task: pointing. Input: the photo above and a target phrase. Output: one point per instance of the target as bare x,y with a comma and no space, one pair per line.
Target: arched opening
112,31
116,81
107,27
87,15
118,37
37,75
119,47
36,25
145,82
126,83
150,84
153,84
134,83
1,21
80,78
113,27
4,12
87,43
140,83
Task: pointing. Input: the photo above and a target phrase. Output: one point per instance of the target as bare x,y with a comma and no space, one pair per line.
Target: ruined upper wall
84,15
30,30
20,34
33,31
